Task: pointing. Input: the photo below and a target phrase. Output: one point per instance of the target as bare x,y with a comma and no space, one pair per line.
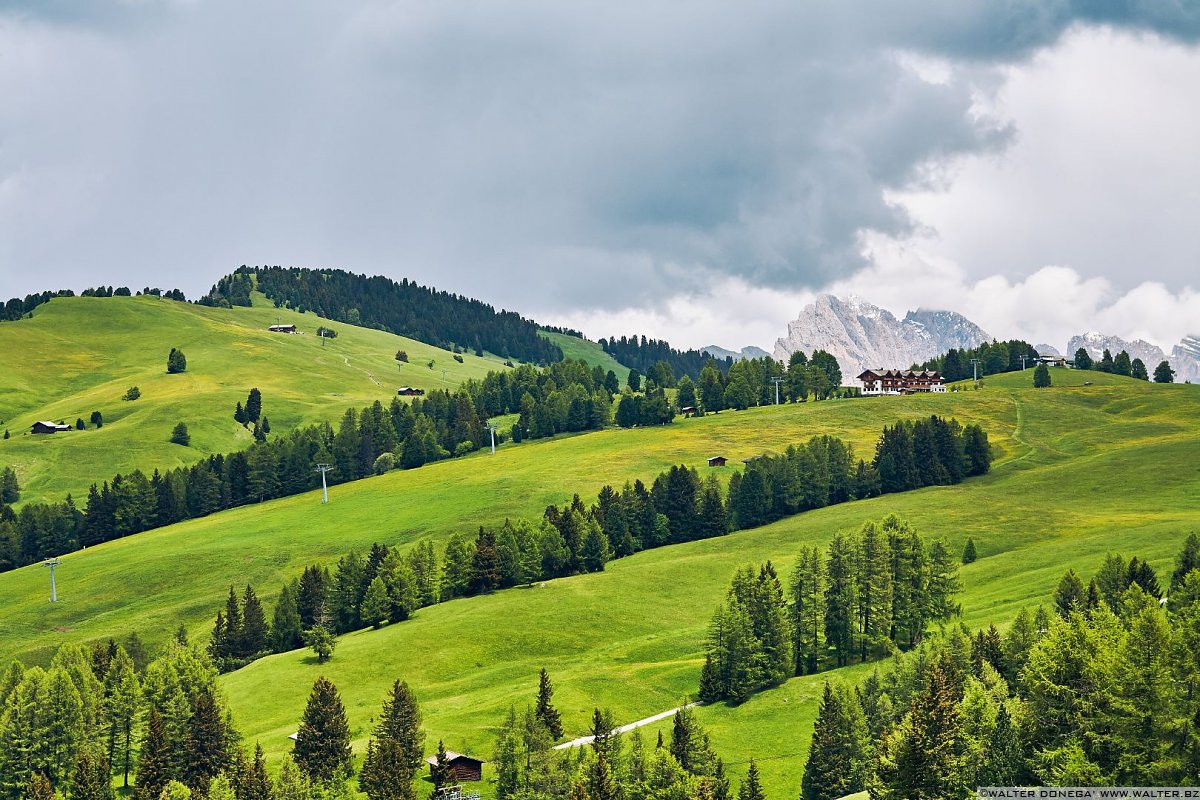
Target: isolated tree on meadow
180,435
97,419
970,556
176,362
79,424
751,788
1041,376
1163,373
1083,359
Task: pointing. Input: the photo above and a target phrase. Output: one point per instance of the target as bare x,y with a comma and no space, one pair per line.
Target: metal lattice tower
323,468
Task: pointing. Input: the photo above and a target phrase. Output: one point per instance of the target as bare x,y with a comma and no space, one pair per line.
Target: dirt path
370,377
583,740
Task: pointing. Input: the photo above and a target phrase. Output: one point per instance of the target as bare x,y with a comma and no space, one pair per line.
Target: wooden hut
48,427
409,391
717,461
460,768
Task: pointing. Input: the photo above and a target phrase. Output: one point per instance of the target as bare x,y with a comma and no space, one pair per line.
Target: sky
692,171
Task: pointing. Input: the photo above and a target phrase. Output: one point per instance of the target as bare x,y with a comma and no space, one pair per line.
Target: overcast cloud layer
695,171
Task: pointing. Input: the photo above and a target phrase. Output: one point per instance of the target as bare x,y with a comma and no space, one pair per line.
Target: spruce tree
922,758
256,634
943,582
1069,596
401,722
254,783
1041,377
322,750
286,630
836,758
873,591
1187,561
751,788
970,555
39,788
1163,373
91,779
440,773
253,405
1004,759
384,774
207,747
376,603
545,710
155,756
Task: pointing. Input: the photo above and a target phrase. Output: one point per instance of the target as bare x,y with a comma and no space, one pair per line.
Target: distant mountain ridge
1184,358
720,353
862,335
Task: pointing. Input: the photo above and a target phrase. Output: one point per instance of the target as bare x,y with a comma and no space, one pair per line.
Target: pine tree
253,782
286,631
1041,377
207,747
376,604
710,684
254,405
1138,370
1069,596
154,769
1187,561
39,788
921,759
1004,760
256,634
91,779
384,774
836,759
545,710
751,788
440,773
401,722
970,555
1163,373
322,750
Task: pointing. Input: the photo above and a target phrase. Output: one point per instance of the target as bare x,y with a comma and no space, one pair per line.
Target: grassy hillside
76,355
1081,470
589,351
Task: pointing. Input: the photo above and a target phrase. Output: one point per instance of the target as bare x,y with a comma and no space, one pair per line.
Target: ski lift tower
52,563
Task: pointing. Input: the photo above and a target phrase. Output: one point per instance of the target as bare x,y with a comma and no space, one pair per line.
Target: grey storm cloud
535,154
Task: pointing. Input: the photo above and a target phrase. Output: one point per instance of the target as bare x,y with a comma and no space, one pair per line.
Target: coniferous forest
404,308
566,396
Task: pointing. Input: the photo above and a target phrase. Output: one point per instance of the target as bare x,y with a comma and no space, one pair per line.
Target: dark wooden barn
462,768
409,391
48,427
717,461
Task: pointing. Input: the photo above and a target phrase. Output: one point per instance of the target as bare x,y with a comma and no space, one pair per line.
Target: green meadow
78,355
582,349
1080,470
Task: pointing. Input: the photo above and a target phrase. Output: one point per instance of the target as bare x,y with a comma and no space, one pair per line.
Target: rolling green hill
586,350
1080,470
79,354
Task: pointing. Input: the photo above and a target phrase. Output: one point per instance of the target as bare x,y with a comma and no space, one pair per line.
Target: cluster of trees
1121,364
635,410
241,633
1103,693
176,362
646,355
405,308
17,308
251,413
751,382
993,358
99,713
869,595
613,765
930,452
367,442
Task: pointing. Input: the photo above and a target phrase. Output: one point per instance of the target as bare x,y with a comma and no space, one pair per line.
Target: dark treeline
870,595
930,452
17,308
566,396
1122,364
405,308
994,358
1103,693
644,355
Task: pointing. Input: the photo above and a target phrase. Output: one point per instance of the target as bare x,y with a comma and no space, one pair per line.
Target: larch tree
807,610
839,598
